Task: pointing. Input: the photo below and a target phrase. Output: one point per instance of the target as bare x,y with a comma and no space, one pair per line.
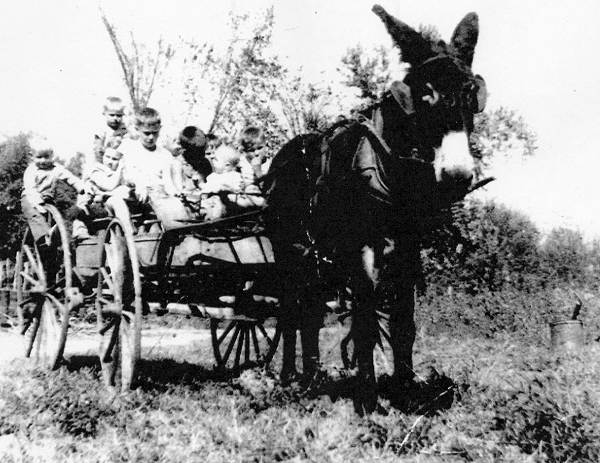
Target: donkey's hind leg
365,330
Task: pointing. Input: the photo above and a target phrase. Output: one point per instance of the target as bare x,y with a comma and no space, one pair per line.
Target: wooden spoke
29,278
255,342
247,345
226,331
231,343
119,322
33,262
240,345
107,280
241,336
265,335
45,315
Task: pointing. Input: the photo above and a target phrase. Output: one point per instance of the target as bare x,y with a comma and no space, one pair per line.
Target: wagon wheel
119,306
382,346
239,344
45,292
243,341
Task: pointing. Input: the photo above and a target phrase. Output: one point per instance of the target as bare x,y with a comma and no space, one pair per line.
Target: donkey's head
442,94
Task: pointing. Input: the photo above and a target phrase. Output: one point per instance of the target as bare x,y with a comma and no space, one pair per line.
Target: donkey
357,195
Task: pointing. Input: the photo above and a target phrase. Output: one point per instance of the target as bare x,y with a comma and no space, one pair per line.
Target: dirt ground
86,343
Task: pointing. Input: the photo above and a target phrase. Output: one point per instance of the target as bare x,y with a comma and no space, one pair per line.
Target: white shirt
150,170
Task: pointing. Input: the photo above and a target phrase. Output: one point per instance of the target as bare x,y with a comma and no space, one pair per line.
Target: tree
247,84
142,67
13,161
369,73
565,255
486,246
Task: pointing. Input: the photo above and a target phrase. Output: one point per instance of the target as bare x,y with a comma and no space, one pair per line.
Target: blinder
473,95
401,93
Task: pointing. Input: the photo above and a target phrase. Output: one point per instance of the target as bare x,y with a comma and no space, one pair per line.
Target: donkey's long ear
465,37
415,49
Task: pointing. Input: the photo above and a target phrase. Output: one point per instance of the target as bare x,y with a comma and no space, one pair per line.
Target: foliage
484,246
369,73
246,84
13,161
566,257
511,402
142,67
501,131
239,83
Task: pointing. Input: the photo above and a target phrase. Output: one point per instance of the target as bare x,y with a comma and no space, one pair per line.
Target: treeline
485,246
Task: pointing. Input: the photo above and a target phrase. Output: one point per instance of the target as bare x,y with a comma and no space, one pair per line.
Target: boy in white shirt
151,168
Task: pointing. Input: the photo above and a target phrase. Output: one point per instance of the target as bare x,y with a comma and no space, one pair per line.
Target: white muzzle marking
453,160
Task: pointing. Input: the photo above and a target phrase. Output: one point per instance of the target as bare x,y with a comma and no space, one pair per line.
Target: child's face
111,159
148,137
114,116
219,165
43,159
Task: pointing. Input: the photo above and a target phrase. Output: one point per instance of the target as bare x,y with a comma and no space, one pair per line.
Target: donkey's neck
394,126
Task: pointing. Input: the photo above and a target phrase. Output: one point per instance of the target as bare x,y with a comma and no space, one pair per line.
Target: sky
538,58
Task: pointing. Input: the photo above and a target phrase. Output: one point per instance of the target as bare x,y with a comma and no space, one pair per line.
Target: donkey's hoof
365,397
288,377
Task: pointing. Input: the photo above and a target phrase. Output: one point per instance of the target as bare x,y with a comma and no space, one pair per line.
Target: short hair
147,117
192,137
113,101
252,138
227,154
112,150
39,143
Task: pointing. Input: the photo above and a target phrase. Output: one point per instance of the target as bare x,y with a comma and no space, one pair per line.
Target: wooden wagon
130,267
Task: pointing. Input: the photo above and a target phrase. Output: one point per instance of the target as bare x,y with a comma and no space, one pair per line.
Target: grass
490,400
492,392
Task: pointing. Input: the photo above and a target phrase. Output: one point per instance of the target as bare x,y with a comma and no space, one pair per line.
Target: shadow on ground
159,374
435,394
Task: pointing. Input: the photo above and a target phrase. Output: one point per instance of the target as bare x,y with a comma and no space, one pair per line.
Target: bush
13,161
483,247
14,158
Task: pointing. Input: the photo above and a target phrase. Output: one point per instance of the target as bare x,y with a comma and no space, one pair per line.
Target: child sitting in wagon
195,167
39,186
112,134
105,180
254,162
151,169
225,190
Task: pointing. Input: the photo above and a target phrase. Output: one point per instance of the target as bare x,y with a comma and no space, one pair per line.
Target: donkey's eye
428,90
430,94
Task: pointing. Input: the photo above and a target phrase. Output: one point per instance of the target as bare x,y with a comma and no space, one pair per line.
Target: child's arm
29,189
107,182
70,178
177,175
168,174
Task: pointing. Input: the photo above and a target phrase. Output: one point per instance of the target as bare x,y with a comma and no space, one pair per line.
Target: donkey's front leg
365,329
288,321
